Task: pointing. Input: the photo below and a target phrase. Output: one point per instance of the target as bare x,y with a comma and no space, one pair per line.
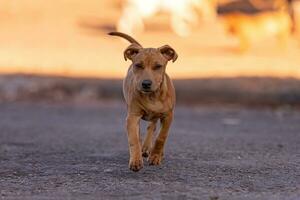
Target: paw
136,164
145,151
155,159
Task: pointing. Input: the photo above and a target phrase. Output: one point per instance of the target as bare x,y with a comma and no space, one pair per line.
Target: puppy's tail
125,36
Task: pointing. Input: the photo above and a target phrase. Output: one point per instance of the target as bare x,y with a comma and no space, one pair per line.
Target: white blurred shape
183,14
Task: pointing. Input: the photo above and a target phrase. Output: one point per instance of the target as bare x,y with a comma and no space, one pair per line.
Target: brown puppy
150,95
256,27
250,29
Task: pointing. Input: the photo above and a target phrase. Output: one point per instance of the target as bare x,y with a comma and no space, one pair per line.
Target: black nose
146,84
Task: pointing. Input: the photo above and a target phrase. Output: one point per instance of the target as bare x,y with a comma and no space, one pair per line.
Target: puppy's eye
157,66
139,66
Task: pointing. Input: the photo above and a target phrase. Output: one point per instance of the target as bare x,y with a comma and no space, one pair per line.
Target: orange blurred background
68,38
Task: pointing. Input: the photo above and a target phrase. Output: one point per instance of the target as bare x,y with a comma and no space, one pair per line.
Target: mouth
146,91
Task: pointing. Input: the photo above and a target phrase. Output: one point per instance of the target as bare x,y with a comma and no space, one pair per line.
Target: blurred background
230,51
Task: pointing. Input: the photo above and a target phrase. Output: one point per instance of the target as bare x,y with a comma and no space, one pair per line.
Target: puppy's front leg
136,160
158,148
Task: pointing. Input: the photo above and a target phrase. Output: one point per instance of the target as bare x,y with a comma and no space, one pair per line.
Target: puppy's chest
154,110
150,116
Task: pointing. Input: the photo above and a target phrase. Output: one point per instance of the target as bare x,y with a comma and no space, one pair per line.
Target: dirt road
80,152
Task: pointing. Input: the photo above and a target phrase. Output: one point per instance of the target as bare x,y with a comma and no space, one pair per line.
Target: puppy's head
149,65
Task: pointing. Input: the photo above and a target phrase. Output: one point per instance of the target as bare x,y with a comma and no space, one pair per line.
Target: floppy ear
168,52
131,51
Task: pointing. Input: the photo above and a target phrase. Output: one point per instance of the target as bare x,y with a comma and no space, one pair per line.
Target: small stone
231,121
213,197
108,170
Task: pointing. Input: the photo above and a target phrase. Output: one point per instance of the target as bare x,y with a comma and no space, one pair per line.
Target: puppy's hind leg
283,38
147,145
157,151
244,44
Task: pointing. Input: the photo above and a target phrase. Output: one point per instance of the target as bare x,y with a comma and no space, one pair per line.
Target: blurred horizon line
68,76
